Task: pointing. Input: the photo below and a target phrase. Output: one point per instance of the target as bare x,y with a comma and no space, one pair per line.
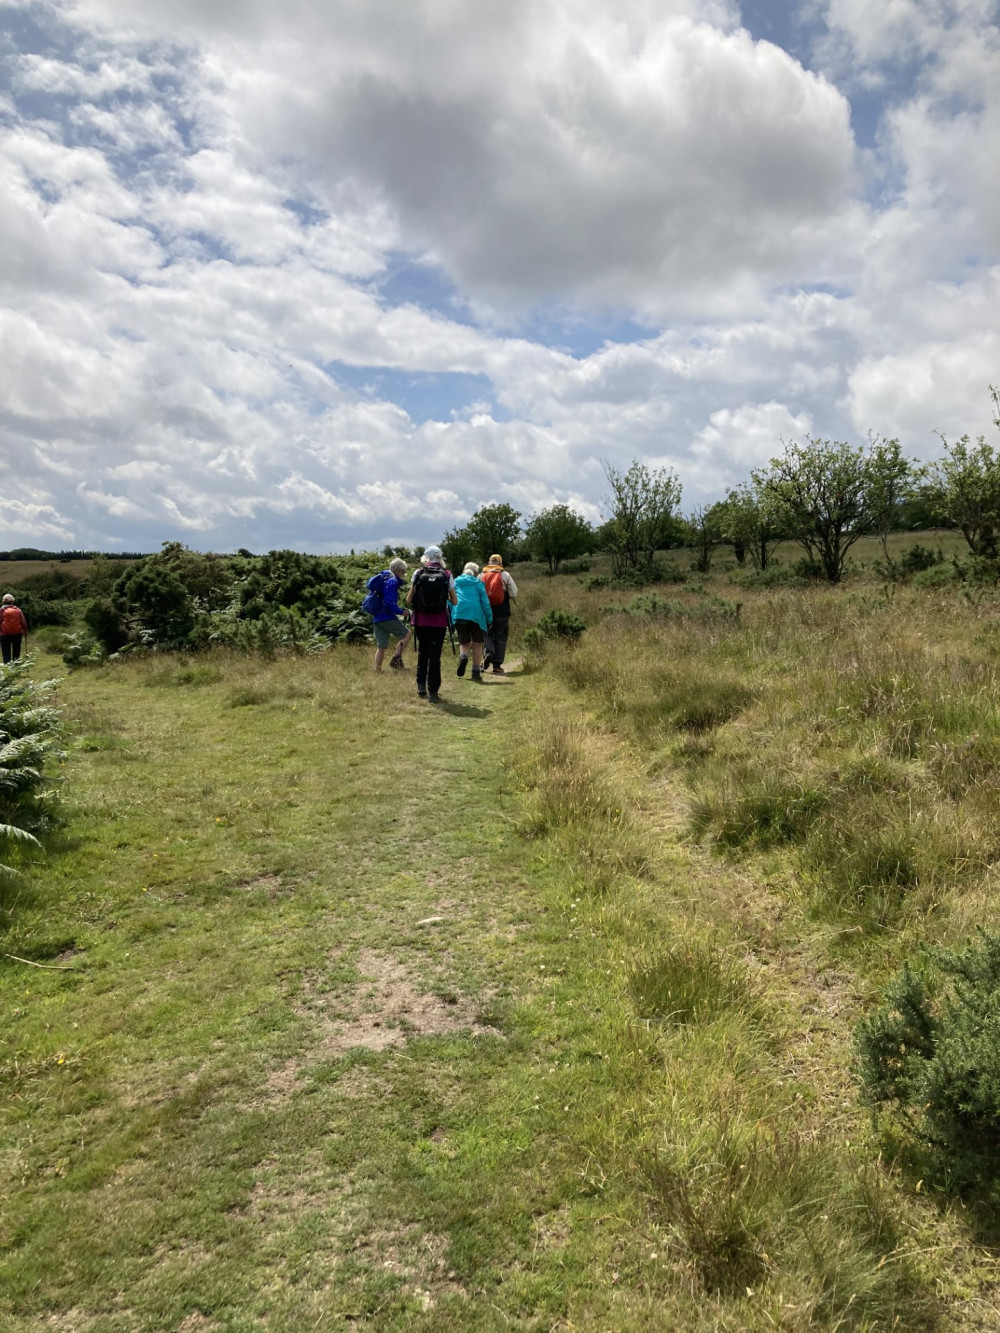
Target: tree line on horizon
824,495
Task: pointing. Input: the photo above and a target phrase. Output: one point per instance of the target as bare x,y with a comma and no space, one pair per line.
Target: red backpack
495,591
10,621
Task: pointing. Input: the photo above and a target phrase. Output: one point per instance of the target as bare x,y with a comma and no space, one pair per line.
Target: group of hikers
475,605
13,629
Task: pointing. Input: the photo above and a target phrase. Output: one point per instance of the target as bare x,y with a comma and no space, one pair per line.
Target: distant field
12,572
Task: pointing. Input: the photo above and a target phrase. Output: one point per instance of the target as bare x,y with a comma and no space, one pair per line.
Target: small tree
749,521
640,512
458,549
966,489
826,494
494,529
558,534
706,532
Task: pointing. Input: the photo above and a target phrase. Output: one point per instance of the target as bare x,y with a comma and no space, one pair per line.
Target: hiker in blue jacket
387,622
472,617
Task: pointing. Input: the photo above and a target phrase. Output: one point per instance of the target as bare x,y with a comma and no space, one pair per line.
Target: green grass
392,1017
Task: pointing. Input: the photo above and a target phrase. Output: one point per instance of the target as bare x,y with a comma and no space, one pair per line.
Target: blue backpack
373,604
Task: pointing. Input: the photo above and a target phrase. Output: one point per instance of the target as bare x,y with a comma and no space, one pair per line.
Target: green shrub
28,741
554,624
81,650
916,558
930,1052
937,576
776,576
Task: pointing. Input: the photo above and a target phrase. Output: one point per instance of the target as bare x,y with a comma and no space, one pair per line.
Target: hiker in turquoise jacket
472,617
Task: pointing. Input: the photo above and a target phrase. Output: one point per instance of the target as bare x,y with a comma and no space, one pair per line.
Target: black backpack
430,590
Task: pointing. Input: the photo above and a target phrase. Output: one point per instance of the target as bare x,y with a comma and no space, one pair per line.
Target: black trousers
429,645
496,639
10,646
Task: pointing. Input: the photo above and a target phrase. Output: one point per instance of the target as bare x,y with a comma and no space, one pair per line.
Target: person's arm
24,621
452,594
409,591
390,596
511,585
484,597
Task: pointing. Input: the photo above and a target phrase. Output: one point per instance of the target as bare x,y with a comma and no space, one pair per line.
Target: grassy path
319,1059
385,1016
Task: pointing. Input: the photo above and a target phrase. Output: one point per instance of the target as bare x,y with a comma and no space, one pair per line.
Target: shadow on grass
462,710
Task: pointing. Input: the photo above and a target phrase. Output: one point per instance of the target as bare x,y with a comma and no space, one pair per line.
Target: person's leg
16,646
5,647
488,646
381,642
435,644
398,654
463,628
501,629
421,637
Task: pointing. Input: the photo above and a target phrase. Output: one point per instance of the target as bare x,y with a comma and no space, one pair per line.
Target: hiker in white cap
432,591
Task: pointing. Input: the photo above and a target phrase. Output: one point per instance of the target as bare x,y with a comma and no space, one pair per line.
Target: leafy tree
826,494
558,534
706,530
749,521
494,529
458,549
640,514
966,489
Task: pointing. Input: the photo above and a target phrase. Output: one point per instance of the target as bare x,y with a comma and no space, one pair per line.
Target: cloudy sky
335,272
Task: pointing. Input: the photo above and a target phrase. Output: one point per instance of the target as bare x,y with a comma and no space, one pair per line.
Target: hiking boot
486,661
397,664
463,662
433,699
421,694
477,675
499,671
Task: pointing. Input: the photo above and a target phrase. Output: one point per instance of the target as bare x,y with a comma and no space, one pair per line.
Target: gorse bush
554,624
930,1053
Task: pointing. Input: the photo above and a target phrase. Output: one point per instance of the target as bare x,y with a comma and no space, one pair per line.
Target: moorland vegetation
713,966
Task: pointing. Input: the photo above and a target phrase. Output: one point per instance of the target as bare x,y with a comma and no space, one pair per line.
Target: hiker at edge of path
13,628
473,616
500,589
432,590
387,615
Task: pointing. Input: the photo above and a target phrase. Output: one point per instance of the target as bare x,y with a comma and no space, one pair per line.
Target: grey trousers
496,639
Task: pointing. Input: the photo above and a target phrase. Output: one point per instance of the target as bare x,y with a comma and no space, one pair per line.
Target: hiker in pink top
432,590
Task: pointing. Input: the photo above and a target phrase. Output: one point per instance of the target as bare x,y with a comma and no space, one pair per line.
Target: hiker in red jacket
501,590
13,627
